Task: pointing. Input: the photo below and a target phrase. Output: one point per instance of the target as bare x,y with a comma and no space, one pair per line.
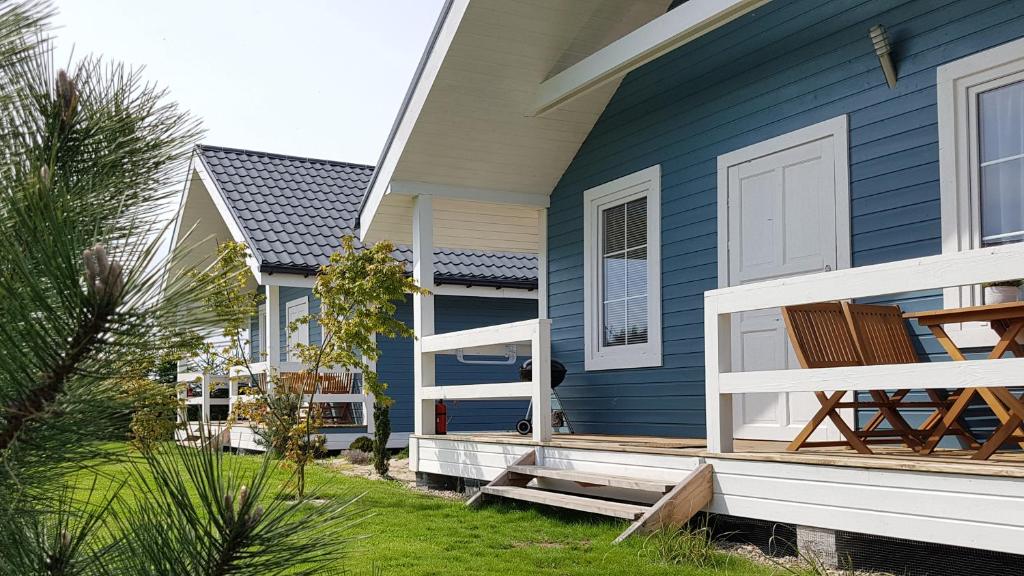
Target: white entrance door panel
783,205
297,309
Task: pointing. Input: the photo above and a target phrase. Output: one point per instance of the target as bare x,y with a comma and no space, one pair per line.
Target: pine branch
105,282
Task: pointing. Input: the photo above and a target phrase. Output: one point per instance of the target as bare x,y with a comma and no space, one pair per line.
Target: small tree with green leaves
231,302
359,290
272,410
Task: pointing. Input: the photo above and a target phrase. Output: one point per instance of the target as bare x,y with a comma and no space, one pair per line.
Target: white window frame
302,334
958,84
645,183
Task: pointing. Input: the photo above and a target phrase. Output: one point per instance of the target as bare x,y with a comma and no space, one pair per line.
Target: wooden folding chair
336,383
337,413
821,338
881,336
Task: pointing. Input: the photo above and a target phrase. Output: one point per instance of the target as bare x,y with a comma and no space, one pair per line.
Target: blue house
691,168
292,213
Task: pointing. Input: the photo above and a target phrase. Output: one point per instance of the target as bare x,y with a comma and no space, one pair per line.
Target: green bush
362,444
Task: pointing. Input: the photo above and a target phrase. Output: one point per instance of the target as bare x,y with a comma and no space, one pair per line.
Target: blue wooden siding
395,365
789,64
456,313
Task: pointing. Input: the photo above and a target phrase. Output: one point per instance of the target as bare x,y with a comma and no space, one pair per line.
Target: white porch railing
931,273
261,370
491,340
207,383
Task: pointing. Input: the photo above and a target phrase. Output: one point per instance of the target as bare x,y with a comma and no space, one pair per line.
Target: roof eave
439,279
446,10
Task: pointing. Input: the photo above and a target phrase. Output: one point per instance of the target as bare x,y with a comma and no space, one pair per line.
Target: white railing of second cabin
259,369
931,273
491,340
207,383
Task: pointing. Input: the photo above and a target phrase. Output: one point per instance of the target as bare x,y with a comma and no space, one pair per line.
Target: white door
297,309
787,213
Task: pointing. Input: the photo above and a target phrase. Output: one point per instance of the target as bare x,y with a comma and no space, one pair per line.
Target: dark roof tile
295,210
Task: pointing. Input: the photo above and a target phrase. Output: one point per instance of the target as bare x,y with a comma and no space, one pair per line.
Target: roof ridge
284,156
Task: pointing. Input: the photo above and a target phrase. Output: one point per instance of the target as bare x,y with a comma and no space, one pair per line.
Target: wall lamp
880,38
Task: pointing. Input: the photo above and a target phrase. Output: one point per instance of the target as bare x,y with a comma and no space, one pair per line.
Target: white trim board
410,188
645,183
656,38
957,86
952,509
304,281
389,160
228,217
836,128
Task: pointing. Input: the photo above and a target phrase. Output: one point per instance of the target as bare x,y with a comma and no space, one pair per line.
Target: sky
312,78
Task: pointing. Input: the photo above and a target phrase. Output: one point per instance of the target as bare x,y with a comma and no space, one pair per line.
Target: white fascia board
229,218
302,281
490,196
659,36
484,292
386,167
287,280
176,229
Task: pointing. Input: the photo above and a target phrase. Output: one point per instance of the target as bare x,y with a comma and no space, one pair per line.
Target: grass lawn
411,533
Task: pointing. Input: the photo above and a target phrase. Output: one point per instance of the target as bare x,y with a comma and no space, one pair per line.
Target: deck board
1008,464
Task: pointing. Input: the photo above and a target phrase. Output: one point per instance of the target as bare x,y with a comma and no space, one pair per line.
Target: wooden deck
945,461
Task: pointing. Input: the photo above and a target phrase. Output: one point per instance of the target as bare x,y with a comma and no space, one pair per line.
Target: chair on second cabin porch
834,334
334,413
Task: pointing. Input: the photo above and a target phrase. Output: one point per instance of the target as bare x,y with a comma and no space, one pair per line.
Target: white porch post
541,393
423,308
368,398
542,264
272,339
717,359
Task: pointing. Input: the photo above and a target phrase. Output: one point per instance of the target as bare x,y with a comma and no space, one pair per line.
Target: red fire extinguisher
440,418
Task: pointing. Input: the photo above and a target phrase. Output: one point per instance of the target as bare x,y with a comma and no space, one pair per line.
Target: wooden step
558,500
690,496
592,478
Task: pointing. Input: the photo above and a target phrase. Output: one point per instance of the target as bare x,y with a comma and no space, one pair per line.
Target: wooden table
1007,320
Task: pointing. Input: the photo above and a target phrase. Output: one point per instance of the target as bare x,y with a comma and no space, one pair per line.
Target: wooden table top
986,313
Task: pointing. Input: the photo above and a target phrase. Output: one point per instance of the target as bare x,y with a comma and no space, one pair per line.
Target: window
622,272
1001,159
981,161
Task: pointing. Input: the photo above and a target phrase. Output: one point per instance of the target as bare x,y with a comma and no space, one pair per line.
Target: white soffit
656,38
203,222
467,126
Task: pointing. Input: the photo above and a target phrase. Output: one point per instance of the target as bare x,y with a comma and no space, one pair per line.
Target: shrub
362,444
357,457
154,412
